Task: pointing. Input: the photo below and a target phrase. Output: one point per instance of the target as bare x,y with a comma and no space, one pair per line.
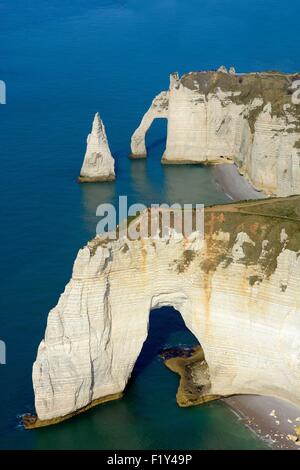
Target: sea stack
98,164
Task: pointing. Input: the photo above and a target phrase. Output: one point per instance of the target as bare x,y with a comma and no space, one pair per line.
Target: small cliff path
272,207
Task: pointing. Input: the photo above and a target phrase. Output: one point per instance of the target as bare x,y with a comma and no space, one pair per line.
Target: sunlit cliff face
216,117
237,291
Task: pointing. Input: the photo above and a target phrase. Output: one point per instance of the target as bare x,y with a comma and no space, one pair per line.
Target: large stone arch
158,110
237,291
178,300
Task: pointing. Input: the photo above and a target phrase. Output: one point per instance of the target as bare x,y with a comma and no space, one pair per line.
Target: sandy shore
234,185
274,420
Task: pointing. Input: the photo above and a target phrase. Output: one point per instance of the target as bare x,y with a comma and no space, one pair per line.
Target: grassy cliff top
284,208
272,87
272,223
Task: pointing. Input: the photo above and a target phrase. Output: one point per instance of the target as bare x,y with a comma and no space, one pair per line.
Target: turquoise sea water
62,61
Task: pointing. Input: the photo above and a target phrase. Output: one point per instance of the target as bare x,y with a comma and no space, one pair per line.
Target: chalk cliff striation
237,291
216,117
98,163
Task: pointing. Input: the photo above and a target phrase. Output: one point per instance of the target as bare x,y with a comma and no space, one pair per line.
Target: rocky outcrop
190,364
237,291
249,119
98,164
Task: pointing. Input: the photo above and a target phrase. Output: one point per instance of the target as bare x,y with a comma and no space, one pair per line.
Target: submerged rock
98,164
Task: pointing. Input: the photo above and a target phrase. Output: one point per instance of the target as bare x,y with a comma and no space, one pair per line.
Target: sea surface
62,61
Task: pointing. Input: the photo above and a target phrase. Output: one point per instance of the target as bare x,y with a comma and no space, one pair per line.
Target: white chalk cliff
237,291
98,164
249,119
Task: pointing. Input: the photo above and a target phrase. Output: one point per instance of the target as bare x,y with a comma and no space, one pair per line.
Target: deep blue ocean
63,60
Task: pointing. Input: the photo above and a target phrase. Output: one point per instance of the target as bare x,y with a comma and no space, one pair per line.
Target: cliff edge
237,291
251,119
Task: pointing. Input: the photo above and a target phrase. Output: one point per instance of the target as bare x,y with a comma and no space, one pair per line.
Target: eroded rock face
249,119
237,291
98,164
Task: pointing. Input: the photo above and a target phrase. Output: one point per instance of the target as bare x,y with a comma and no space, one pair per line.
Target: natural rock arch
157,110
177,347
164,323
237,291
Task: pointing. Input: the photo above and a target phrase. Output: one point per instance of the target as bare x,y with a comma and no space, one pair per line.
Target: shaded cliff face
237,291
251,119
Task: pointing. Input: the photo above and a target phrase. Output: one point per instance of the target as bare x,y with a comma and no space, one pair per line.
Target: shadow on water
94,194
156,136
156,143
164,323
147,178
